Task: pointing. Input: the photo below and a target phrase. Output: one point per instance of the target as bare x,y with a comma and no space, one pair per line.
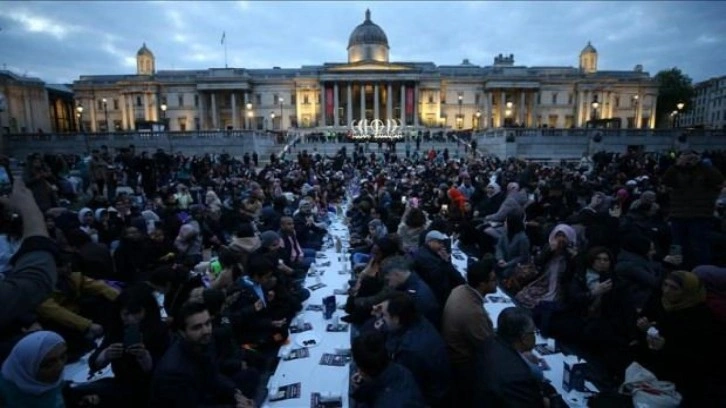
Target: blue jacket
395,387
420,348
423,298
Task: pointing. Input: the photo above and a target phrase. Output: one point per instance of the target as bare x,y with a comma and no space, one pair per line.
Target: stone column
415,105
376,102
131,111
124,115
639,110
215,118
323,118
389,102
490,108
92,116
234,111
520,114
362,101
403,105
349,106
651,118
203,122
588,106
502,106
28,114
336,105
580,110
146,107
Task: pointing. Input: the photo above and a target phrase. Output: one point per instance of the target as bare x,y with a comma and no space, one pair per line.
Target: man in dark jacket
379,382
414,343
433,264
694,187
506,373
187,375
398,276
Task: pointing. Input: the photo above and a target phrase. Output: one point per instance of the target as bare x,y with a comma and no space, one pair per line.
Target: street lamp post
249,116
478,119
163,115
508,113
79,114
105,113
272,120
281,115
635,110
460,120
595,104
680,106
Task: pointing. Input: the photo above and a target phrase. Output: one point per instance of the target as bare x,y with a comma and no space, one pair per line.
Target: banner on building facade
376,129
329,102
409,101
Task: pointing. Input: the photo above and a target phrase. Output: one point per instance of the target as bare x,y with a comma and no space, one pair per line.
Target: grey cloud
59,41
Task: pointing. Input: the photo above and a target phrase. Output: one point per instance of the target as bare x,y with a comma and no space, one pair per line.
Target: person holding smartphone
135,340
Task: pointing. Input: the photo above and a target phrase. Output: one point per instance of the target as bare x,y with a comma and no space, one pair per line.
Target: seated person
432,263
136,320
309,230
187,376
512,248
93,259
77,308
235,362
380,382
506,373
176,284
32,376
684,341
376,231
415,344
160,251
294,255
252,314
132,256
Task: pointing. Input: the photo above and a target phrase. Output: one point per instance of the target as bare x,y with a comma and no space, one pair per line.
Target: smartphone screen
6,182
132,335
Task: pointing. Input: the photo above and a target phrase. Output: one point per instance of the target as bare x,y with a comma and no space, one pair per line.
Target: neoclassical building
370,86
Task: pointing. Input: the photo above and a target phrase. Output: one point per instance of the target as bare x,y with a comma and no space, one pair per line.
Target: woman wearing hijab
556,265
31,376
683,340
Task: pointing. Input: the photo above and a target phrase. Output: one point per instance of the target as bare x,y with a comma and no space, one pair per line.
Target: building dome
144,51
368,32
589,49
368,42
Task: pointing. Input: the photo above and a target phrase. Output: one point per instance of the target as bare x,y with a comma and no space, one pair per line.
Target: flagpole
225,54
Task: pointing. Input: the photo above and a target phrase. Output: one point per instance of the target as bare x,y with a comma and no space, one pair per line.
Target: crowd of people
618,257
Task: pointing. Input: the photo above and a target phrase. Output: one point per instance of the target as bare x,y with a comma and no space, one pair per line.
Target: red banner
409,101
329,102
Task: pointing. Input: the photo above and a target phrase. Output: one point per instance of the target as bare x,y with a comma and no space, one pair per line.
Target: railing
581,132
138,135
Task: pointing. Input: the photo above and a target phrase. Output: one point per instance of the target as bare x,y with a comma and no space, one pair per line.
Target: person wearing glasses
507,374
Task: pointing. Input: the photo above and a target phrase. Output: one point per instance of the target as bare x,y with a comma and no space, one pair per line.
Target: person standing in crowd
694,187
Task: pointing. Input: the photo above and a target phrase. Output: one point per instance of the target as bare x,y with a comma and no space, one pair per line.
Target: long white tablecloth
314,377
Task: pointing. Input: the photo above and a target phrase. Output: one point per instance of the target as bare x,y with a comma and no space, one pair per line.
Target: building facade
24,105
708,106
369,86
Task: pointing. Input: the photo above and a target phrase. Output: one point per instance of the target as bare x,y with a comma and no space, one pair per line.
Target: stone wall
573,143
235,143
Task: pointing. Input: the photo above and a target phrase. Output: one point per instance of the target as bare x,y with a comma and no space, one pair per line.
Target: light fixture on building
163,114
680,106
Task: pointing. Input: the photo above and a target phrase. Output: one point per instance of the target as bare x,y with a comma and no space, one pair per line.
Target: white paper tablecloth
308,371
